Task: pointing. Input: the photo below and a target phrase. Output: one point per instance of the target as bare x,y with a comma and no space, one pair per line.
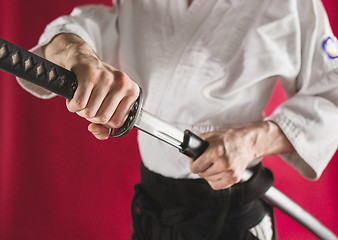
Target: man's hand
230,152
104,95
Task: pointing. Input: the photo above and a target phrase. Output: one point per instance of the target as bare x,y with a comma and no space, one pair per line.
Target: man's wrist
272,140
58,48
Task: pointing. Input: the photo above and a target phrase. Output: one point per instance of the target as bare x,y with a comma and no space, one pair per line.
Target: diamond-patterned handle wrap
35,69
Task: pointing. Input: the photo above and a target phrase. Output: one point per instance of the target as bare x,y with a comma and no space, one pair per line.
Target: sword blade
154,126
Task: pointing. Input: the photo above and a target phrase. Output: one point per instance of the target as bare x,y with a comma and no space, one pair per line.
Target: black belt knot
171,206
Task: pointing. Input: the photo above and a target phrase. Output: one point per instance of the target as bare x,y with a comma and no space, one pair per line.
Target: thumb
99,131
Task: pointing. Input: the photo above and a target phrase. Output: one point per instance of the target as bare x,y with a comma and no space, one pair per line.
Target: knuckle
103,119
77,104
80,103
124,77
124,82
88,113
236,179
93,75
116,123
215,185
135,91
120,77
193,169
232,173
220,150
133,94
107,80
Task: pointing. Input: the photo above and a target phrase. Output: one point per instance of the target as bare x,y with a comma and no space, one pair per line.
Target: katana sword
37,70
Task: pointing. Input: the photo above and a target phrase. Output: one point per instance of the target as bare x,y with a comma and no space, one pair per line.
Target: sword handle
35,69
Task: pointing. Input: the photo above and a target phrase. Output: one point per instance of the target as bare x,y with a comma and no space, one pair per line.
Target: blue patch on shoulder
330,45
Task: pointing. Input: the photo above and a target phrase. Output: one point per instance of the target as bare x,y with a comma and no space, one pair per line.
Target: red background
58,182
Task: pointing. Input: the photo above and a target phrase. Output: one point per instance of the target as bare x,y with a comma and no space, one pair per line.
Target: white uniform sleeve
309,117
95,24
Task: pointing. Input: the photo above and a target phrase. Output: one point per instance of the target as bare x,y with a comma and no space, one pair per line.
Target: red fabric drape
58,182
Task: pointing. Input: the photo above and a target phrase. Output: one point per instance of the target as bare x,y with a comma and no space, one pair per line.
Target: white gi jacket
214,65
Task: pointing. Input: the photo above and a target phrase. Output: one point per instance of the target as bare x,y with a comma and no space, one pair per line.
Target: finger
210,171
115,108
106,87
223,183
99,131
220,184
219,176
201,164
218,166
107,109
215,177
95,102
80,98
205,135
121,113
